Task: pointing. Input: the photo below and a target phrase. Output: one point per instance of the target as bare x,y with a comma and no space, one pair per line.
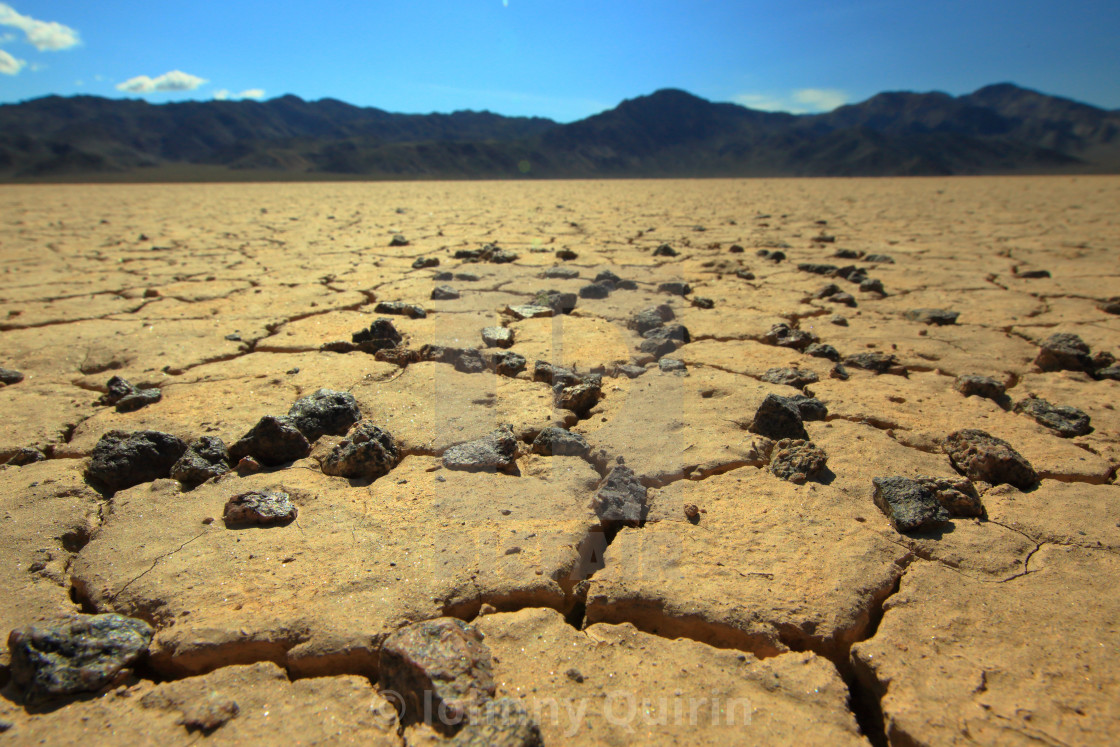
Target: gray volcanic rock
400,308
595,290
502,722
810,408
558,301
797,461
651,318
879,363
495,451
368,451
441,671
121,459
554,441
505,363
910,505
380,335
672,365
820,350
1066,420
272,441
444,293
621,499
325,412
675,287
933,316
259,507
778,418
126,397
579,398
1064,351
10,376
205,458
980,386
785,336
78,654
980,456
795,377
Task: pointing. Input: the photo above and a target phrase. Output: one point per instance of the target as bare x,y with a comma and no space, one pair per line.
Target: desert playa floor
662,570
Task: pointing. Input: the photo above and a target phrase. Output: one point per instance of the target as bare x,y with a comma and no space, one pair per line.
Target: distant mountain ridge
998,129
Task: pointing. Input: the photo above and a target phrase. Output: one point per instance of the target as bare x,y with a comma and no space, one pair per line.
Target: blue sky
564,59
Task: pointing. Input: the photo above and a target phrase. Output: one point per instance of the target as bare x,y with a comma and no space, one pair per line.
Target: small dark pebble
595,290
9,376
398,240
671,365
980,386
821,350
665,251
368,451
401,309
785,336
444,293
877,362
421,262
675,287
932,316
554,441
703,303
1067,421
795,377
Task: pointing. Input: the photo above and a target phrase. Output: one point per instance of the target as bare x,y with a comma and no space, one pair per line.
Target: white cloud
820,99
223,94
45,35
800,101
10,65
176,80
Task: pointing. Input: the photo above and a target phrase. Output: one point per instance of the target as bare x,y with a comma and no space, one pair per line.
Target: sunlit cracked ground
781,613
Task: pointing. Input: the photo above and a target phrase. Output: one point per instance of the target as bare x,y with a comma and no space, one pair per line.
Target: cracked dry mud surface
732,606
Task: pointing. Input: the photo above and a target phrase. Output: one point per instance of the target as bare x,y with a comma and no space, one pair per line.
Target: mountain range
998,129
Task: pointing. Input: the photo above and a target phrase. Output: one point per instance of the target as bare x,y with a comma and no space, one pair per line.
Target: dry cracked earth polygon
748,593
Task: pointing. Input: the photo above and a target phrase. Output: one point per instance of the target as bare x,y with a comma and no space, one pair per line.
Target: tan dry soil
786,614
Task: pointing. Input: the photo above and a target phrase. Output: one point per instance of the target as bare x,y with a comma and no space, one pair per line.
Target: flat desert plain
673,491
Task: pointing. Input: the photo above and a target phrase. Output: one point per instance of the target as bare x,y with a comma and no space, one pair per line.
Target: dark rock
398,240
878,362
260,507
465,277
824,239
1067,421
817,269
421,262
744,274
665,251
851,273
505,364
839,372
368,452
671,365
735,249
608,278
829,290
845,298
381,334
566,255
325,412
439,277
980,456
595,290
530,311
272,441
497,337
138,399
933,316
785,336
1111,372
25,456
794,377
579,398
205,458
1064,351
821,350
553,441
121,459
398,356
1111,306
495,451
777,256
486,253
881,259
557,376
650,318
621,499
400,308
664,340
981,386
909,505
797,460
778,418
557,301
676,288
440,669
444,293
847,254
117,388
810,408
871,285
1031,274
9,376
83,653
703,303
838,320
469,360
956,495
562,273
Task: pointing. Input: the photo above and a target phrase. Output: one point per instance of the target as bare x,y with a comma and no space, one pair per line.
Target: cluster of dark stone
794,456
123,459
577,392
486,253
604,284
126,397
1065,351
785,336
851,273
659,337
